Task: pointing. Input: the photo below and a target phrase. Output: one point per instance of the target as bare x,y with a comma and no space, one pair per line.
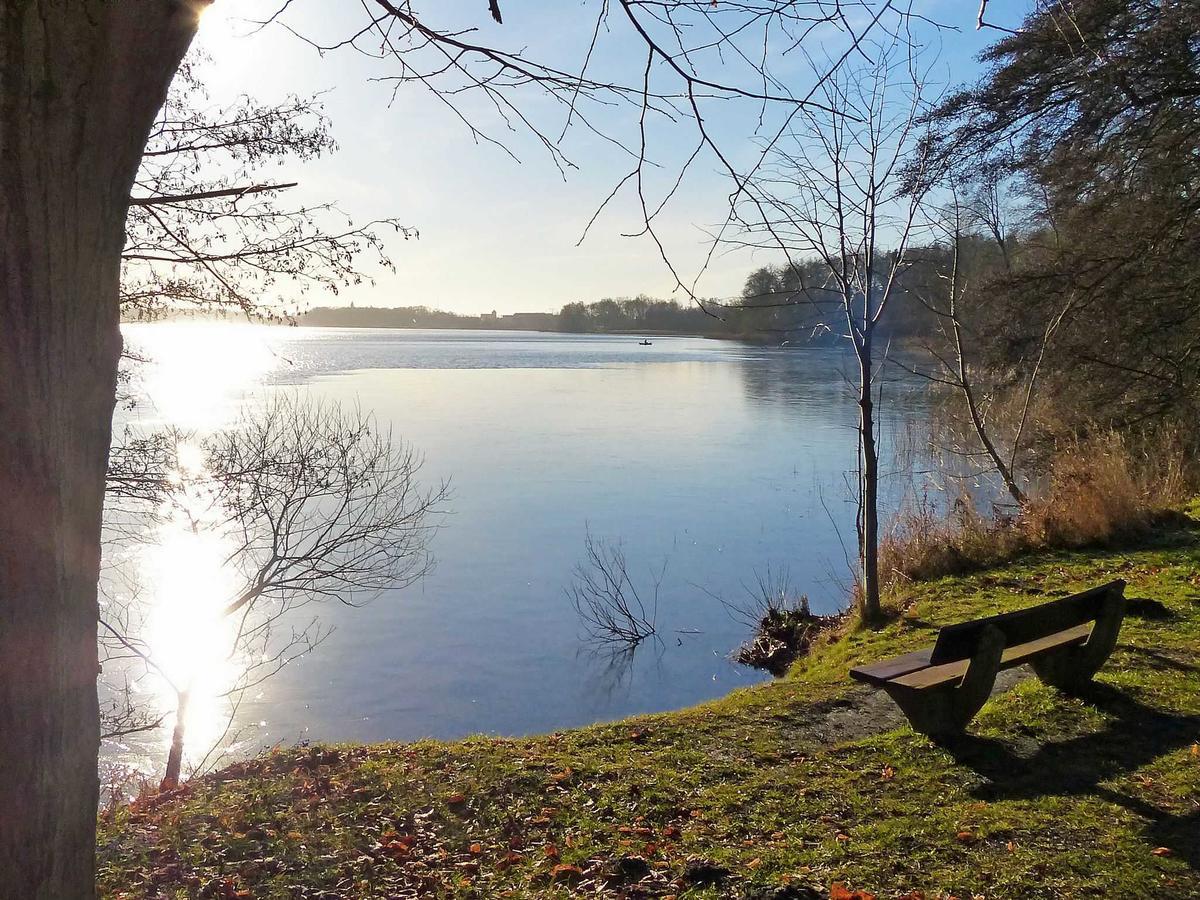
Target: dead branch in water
606,599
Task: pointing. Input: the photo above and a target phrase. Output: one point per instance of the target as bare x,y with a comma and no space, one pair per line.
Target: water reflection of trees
816,385
804,375
298,503
610,674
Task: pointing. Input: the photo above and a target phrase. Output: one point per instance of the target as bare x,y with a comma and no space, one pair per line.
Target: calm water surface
716,459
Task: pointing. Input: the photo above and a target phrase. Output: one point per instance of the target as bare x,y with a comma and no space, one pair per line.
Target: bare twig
606,599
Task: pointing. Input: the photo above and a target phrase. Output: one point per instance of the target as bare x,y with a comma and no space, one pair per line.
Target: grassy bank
801,788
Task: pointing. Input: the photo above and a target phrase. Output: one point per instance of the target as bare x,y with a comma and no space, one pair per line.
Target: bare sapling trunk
175,757
981,430
963,372
956,371
991,216
80,82
836,190
868,491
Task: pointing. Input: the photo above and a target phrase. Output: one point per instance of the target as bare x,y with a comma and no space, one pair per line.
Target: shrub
1098,489
1108,487
784,626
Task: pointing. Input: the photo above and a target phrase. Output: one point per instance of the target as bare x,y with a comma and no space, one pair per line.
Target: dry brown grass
1098,490
1108,487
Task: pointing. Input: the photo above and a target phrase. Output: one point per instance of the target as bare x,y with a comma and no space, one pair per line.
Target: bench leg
1072,669
945,711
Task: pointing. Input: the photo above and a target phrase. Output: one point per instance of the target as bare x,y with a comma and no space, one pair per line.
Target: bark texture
80,83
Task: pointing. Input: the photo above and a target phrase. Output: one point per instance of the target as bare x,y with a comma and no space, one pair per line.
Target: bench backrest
957,642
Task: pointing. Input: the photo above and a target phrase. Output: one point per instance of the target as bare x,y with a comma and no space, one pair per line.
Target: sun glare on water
187,634
197,375
196,378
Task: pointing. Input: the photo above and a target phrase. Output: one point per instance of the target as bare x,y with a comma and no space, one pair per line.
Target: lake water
714,458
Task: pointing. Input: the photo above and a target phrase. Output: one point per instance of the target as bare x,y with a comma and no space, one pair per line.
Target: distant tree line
610,315
388,317
801,303
773,308
641,314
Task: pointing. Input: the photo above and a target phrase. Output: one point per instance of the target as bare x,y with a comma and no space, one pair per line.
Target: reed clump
1098,490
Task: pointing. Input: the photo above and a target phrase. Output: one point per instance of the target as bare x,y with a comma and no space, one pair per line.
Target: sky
498,233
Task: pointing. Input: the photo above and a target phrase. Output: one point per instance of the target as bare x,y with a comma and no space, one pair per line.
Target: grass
782,790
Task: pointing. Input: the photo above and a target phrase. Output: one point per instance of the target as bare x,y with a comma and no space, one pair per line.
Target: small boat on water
643,343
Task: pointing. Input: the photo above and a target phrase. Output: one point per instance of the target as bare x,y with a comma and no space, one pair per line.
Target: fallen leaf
477,849
888,774
965,837
565,872
510,859
754,863
839,891
396,848
1162,851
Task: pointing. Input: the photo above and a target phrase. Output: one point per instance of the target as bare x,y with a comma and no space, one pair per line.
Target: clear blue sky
499,234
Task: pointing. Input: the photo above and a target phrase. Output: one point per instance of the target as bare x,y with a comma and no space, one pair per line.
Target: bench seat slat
1016,655
882,672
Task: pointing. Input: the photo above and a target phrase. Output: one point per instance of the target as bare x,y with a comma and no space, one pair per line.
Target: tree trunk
868,549
175,757
80,83
968,392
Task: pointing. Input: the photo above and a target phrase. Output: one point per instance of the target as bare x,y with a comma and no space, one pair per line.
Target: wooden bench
1066,641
